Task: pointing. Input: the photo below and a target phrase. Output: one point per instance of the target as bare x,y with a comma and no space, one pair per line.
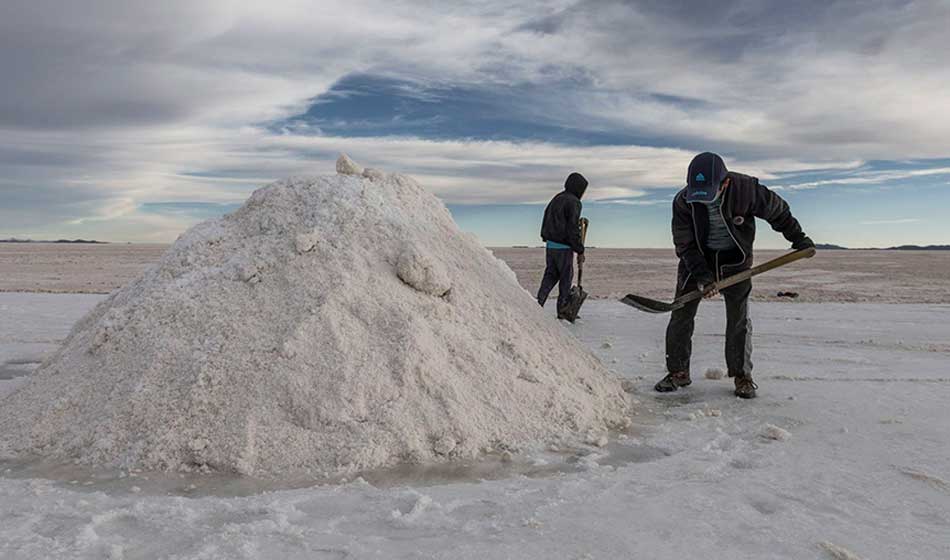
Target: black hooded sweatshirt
563,215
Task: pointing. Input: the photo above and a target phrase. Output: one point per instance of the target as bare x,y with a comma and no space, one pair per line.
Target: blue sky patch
365,105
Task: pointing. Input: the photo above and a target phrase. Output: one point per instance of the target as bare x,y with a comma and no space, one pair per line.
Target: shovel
654,306
578,295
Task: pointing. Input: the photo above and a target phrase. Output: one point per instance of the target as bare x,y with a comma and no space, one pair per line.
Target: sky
123,120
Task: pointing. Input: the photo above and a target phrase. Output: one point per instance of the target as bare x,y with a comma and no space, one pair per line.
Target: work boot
745,387
672,382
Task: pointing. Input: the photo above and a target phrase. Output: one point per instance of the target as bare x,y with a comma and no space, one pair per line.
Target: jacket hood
575,184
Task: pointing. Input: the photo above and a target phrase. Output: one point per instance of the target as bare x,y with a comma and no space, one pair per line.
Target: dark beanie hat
575,184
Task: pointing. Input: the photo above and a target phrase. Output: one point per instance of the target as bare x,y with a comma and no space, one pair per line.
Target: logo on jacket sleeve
738,220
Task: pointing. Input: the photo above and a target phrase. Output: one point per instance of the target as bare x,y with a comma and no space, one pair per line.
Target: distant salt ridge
330,324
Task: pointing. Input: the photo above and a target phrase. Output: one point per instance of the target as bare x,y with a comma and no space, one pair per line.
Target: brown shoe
673,381
745,387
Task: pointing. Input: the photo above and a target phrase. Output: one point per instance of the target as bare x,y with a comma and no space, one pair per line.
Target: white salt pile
330,324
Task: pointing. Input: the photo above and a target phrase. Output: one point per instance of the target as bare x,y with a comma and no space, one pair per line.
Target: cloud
866,177
891,222
111,105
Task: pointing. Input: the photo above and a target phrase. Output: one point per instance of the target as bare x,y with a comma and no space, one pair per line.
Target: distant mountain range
15,240
831,247
819,246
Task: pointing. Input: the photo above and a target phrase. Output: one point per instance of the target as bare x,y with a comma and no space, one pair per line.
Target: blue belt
555,245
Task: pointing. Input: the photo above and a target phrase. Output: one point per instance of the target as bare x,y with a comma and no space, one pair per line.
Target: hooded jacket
743,201
563,214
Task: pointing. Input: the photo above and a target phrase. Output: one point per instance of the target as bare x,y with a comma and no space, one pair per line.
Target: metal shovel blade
573,307
647,304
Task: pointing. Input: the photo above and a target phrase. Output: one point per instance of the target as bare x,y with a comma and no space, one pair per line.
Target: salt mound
330,324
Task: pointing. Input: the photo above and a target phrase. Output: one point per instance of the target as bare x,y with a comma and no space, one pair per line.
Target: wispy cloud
891,222
866,177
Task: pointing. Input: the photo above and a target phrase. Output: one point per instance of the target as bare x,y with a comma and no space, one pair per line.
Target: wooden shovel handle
746,274
580,266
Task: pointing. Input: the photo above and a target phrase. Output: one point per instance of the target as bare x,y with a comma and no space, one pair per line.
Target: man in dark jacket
713,231
562,234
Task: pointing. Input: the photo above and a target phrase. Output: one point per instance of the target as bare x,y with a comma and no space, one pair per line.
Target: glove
580,258
803,242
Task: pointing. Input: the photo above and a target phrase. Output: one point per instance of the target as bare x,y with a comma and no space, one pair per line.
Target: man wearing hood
561,233
713,231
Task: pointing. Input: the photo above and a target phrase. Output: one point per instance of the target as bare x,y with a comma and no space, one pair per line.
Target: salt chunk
774,432
838,552
422,272
597,440
373,174
528,376
444,445
346,166
714,373
305,242
247,272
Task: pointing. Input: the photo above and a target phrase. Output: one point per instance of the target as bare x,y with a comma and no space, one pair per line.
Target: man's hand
707,285
580,258
708,290
804,243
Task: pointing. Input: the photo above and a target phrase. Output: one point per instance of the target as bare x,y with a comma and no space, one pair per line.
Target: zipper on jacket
686,280
692,214
734,240
699,244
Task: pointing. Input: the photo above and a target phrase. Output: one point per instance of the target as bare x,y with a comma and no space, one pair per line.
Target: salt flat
861,390
73,268
844,276
851,276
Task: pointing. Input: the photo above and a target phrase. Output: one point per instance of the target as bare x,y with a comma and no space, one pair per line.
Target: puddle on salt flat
491,467
534,465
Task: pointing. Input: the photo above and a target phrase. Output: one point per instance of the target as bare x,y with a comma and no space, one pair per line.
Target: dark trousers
558,271
679,333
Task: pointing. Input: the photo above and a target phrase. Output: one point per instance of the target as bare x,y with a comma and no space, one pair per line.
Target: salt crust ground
861,388
331,324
